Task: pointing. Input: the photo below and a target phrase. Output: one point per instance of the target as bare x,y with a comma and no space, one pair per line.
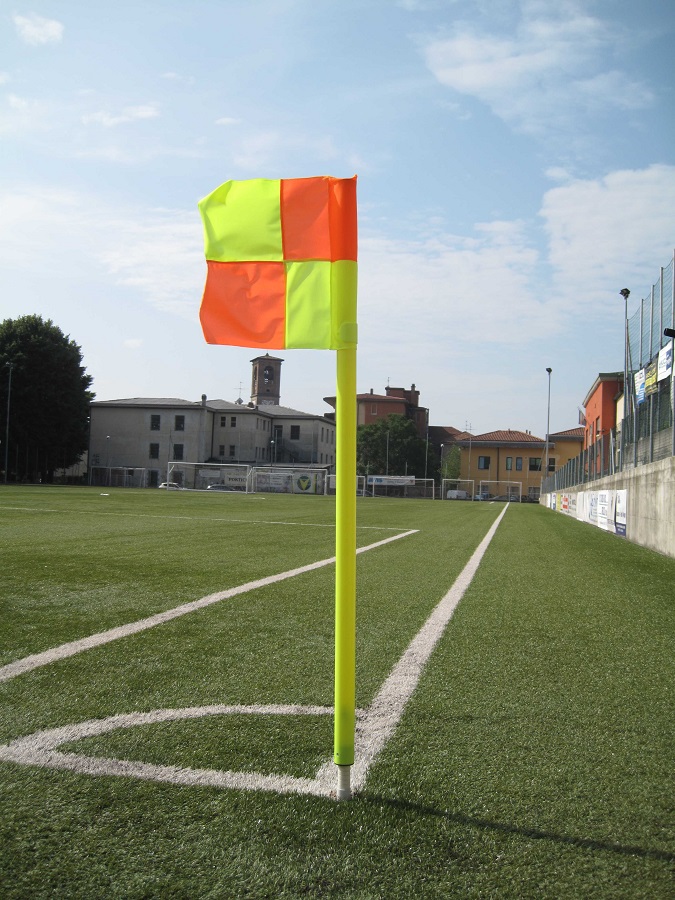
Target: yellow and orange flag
281,257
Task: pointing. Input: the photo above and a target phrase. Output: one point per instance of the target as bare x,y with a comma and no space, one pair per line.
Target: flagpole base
344,788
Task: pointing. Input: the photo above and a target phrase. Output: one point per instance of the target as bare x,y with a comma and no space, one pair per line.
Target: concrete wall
650,503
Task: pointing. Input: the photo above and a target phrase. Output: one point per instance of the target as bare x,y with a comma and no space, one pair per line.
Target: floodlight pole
548,418
625,293
10,366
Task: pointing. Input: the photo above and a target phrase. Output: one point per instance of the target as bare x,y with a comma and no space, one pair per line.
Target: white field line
36,660
380,721
228,521
374,727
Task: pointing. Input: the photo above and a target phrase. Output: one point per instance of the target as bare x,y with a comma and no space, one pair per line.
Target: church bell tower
266,380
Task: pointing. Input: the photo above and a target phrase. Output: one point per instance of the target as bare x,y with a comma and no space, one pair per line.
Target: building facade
372,407
511,463
153,435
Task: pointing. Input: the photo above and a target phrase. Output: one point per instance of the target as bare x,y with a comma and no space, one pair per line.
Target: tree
49,399
451,463
390,446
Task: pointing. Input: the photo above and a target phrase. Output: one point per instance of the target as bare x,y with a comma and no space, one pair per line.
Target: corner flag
282,274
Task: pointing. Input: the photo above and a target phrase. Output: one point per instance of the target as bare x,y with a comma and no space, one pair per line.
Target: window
519,463
597,428
221,450
155,423
373,409
154,451
535,464
295,432
483,462
509,463
177,451
223,421
179,424
268,374
231,451
233,421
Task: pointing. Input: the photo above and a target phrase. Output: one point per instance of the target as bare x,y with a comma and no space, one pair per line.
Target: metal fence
646,433
645,327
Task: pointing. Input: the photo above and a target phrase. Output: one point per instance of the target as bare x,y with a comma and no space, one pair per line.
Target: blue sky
516,163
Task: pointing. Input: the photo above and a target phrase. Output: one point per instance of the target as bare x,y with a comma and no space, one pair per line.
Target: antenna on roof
239,400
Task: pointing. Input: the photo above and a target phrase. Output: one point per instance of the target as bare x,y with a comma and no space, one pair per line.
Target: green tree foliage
49,399
451,463
390,445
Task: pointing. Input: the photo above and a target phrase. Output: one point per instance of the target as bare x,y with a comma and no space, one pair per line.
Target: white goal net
360,485
401,486
458,489
118,476
499,490
210,476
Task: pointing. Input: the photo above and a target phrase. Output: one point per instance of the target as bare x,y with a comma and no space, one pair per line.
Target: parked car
483,496
458,495
217,487
508,498
171,486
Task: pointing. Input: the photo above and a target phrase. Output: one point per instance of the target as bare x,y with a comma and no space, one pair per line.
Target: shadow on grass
505,828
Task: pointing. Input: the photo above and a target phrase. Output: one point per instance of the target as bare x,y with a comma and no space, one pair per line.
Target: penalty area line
374,726
72,648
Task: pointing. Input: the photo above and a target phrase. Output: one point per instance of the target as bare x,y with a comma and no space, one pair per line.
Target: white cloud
133,343
609,232
548,66
461,291
158,253
227,120
128,114
35,30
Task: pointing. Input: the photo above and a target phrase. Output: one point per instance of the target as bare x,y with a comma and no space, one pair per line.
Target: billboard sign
640,386
665,363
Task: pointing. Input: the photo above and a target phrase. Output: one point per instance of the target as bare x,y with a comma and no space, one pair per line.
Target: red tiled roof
509,436
370,396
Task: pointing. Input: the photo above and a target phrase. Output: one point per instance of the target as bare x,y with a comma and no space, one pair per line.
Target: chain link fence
646,433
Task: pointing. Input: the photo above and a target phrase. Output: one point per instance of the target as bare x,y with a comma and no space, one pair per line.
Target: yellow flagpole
345,570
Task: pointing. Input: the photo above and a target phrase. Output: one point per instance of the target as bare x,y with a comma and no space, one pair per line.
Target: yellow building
512,463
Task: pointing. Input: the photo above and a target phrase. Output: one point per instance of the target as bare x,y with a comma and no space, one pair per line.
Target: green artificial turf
534,760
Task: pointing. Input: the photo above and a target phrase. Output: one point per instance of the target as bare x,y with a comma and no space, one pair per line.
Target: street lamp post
548,417
625,293
10,366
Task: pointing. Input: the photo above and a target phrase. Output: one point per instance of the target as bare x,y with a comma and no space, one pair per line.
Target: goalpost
401,486
504,490
118,476
360,485
210,476
457,489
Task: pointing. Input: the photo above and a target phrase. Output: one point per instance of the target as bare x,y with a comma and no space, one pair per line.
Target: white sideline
63,651
374,727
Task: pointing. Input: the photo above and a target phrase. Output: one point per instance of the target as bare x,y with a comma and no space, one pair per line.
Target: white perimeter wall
649,504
